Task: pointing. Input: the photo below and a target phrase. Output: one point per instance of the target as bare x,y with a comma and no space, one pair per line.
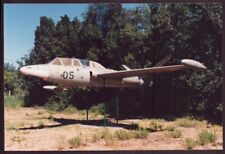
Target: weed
170,128
123,135
175,133
50,117
97,110
96,137
109,138
13,101
40,113
75,142
190,143
104,133
40,124
61,142
25,132
154,126
206,137
70,109
186,122
18,139
11,127
141,133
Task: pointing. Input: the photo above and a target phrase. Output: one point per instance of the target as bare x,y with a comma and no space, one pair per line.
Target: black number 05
66,74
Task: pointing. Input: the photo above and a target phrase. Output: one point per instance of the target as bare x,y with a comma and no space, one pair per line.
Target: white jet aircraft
73,72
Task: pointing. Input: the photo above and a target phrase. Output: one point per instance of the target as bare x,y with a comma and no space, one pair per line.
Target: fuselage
78,73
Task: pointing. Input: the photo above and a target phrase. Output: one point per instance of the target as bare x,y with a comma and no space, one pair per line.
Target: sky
21,20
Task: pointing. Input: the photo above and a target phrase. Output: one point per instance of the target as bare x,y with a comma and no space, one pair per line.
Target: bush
141,133
97,109
175,134
206,137
95,137
75,142
186,122
40,124
190,143
109,138
170,128
154,126
123,135
13,101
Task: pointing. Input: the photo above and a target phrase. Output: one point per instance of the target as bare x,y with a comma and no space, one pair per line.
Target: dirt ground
39,129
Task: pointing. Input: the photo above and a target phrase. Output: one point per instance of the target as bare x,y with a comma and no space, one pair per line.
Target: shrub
123,135
109,138
170,128
154,126
206,137
96,137
13,101
186,122
97,109
190,143
70,109
75,142
175,134
40,124
141,133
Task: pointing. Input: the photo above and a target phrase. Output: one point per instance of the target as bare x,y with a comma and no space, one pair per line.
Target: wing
186,64
144,71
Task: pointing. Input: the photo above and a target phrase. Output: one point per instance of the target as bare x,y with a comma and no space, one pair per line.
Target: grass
155,126
186,122
190,143
170,128
123,135
176,133
18,139
75,142
141,133
13,101
206,137
97,109
95,137
40,124
109,138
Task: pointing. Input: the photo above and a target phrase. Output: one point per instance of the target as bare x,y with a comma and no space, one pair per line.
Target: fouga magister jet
73,72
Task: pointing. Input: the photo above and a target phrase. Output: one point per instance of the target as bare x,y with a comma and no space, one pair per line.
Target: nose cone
40,71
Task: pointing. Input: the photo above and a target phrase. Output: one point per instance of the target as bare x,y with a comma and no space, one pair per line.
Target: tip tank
193,63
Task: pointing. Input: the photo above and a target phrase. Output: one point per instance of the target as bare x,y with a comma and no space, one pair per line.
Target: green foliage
75,142
190,143
206,137
13,101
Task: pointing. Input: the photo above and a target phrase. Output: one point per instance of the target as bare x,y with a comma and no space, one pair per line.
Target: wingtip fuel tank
193,63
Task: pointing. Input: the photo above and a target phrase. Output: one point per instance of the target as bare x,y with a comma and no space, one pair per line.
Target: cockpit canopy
76,62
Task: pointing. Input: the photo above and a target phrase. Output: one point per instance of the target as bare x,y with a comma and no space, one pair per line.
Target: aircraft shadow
99,123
